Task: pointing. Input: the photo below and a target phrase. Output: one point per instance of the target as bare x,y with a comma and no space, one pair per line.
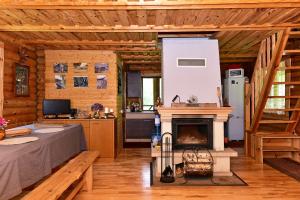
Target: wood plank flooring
128,178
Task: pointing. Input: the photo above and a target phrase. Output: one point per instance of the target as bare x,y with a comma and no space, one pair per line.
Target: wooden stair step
295,33
276,121
280,148
291,51
288,68
266,133
283,135
287,83
282,109
284,97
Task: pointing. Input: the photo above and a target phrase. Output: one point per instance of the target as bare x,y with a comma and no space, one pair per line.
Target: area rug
234,180
286,166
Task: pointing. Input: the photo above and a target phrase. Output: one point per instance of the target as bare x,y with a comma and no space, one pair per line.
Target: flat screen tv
56,107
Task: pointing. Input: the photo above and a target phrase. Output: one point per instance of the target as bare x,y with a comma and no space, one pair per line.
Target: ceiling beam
141,62
111,48
142,5
133,57
237,60
238,55
90,42
147,28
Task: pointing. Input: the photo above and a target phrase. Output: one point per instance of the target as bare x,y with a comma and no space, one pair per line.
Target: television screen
56,106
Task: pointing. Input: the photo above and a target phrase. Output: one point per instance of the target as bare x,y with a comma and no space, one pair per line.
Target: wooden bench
78,170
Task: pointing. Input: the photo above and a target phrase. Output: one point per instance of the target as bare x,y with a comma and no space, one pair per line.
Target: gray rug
210,181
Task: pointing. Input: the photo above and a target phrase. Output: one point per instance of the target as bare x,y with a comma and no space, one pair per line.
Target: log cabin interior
150,99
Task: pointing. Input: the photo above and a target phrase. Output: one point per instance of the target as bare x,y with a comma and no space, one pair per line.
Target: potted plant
3,125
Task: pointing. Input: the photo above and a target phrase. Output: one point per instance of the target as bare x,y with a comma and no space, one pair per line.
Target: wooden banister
277,53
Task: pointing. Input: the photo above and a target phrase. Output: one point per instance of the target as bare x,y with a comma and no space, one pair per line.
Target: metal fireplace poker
197,163
167,159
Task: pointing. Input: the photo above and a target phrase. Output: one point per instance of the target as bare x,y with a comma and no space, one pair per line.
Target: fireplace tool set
167,159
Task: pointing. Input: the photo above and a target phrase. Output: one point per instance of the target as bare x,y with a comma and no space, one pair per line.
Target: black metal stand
167,159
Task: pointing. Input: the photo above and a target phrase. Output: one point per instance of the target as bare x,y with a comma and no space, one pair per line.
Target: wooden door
102,137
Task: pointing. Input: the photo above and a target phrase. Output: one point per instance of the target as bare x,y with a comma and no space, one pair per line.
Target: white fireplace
221,155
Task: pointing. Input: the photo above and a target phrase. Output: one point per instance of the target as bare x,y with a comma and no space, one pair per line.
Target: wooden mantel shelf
219,112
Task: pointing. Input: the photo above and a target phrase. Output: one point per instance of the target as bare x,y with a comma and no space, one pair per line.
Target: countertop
140,115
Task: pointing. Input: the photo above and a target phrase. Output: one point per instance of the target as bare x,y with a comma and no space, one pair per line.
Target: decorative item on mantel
3,125
192,102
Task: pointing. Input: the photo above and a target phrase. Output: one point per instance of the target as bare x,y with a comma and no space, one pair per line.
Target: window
151,90
278,90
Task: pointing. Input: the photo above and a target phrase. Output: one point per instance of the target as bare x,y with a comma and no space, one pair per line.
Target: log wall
1,77
18,110
40,82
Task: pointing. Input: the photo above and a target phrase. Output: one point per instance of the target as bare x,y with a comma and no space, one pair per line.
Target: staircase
270,131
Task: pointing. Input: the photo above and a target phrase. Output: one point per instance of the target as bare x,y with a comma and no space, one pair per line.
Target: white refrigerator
234,94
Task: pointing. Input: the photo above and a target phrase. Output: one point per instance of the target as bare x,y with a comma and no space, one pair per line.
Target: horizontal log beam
239,55
95,47
237,60
141,5
89,42
147,28
141,62
133,57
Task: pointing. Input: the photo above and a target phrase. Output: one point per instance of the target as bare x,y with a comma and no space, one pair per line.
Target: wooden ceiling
132,27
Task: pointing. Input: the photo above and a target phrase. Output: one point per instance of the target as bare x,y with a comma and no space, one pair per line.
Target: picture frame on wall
60,81
60,67
21,80
101,82
80,81
80,67
101,67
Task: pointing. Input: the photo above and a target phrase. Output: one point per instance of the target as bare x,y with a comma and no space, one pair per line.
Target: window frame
154,99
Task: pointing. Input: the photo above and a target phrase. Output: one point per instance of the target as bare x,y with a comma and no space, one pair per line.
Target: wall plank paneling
40,82
1,77
120,103
82,98
18,110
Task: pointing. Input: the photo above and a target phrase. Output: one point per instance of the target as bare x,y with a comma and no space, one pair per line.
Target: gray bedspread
24,164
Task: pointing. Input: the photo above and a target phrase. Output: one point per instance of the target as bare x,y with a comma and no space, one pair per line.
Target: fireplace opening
192,133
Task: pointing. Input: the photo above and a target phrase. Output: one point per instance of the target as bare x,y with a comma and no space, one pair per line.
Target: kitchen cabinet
139,127
134,84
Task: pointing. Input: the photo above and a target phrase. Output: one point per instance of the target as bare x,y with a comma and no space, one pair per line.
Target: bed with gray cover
22,165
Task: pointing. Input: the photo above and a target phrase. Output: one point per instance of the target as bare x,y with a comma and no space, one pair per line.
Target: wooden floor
128,178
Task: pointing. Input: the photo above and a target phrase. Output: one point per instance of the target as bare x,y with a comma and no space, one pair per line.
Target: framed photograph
101,67
80,67
60,81
60,68
81,81
21,80
101,82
